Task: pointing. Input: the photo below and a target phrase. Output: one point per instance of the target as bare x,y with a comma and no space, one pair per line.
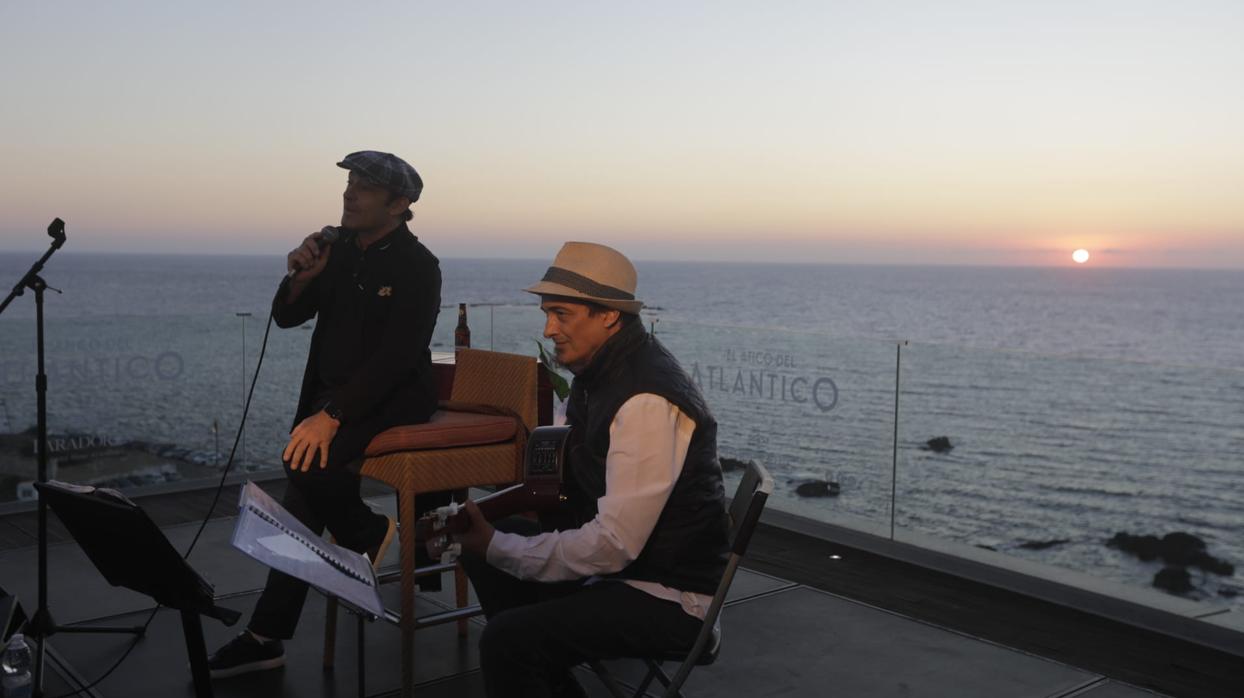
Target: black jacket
376,312
688,548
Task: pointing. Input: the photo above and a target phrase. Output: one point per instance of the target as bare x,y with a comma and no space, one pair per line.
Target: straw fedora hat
592,273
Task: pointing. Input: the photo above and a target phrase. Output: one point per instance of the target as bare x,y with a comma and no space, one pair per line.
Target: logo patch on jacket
385,291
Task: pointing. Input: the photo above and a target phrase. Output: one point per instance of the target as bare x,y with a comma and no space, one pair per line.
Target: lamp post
243,316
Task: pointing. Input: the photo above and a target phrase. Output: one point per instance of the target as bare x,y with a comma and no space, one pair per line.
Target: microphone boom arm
30,280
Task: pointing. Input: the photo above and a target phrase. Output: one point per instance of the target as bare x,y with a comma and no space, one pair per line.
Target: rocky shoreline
1180,552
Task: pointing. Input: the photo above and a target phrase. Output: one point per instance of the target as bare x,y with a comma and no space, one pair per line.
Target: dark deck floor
798,624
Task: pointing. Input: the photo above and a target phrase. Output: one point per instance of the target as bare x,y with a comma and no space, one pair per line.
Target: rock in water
1043,544
818,488
732,464
1173,579
938,444
1178,548
1209,563
1146,548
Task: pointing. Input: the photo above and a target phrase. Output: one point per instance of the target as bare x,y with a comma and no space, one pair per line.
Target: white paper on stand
271,535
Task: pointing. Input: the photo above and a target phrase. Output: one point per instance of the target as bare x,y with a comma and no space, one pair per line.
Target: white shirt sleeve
648,442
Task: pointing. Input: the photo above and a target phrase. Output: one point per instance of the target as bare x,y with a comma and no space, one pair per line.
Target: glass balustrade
1036,462
1071,462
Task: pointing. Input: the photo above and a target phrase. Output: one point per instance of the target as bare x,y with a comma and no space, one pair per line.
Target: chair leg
362,656
460,579
406,515
330,634
654,671
329,658
606,677
460,590
673,686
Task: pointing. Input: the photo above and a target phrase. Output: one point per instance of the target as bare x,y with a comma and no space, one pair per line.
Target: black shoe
243,654
568,687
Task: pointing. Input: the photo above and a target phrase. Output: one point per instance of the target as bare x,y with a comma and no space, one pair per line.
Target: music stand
11,616
41,626
130,551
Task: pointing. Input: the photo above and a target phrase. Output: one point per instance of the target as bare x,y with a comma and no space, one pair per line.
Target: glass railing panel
816,410
1046,459
136,401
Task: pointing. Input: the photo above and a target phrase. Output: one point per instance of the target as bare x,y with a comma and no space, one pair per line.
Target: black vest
688,547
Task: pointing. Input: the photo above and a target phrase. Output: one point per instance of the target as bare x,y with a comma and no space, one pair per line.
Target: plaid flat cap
387,170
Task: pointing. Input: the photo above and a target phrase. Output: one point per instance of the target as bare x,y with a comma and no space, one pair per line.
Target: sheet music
271,535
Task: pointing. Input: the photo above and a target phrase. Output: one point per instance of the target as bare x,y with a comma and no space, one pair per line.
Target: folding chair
749,501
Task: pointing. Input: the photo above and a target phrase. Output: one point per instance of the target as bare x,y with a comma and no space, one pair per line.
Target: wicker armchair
454,451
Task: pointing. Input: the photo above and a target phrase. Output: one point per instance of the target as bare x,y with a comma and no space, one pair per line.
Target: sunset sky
952,132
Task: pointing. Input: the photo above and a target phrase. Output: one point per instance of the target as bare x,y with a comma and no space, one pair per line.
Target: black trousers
537,631
327,498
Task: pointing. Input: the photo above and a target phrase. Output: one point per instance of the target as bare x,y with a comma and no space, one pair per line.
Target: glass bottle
462,333
15,663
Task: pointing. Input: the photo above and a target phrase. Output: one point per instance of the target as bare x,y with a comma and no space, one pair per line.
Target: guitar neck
527,496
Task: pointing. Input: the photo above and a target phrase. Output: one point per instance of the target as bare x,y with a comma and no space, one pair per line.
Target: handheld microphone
328,235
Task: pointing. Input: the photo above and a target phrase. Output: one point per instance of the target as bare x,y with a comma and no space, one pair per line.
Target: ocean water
1080,402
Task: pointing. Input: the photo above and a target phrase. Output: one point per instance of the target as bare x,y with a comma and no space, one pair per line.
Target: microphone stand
41,625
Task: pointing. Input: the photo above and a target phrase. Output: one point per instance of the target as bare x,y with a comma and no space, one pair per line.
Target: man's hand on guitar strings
444,548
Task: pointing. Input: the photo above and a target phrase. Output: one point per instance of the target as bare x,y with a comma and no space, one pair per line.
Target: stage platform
782,638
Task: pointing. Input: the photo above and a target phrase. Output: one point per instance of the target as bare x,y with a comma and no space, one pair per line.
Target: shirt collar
387,241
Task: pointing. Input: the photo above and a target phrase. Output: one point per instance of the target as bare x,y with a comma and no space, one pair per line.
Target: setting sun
1080,256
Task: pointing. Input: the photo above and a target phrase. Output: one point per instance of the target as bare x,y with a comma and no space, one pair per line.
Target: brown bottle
462,333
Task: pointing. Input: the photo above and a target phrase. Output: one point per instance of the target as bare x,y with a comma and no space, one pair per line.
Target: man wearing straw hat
634,569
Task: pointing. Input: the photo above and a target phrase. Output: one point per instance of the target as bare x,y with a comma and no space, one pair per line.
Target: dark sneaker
243,654
567,687
376,553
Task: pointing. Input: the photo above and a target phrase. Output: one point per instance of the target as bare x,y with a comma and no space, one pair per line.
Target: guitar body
541,488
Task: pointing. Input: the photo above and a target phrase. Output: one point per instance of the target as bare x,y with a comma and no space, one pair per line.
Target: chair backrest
498,379
749,500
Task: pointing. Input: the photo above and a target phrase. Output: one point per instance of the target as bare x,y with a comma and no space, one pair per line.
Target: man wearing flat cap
375,293
634,570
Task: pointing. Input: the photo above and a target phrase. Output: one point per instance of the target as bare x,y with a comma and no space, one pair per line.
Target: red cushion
445,430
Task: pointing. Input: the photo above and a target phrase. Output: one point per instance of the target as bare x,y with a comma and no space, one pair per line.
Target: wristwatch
332,410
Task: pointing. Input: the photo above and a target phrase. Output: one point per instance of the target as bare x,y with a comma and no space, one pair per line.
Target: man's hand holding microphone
309,259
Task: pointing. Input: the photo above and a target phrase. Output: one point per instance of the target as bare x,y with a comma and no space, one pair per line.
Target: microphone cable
237,438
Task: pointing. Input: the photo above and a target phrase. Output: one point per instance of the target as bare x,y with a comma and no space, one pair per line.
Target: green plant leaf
560,386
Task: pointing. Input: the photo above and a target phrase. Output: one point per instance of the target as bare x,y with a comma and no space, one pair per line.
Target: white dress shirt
648,442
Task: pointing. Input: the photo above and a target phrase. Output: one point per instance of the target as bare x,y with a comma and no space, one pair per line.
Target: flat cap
387,170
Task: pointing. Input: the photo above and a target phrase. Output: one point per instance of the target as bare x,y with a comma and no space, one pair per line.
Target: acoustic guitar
540,491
